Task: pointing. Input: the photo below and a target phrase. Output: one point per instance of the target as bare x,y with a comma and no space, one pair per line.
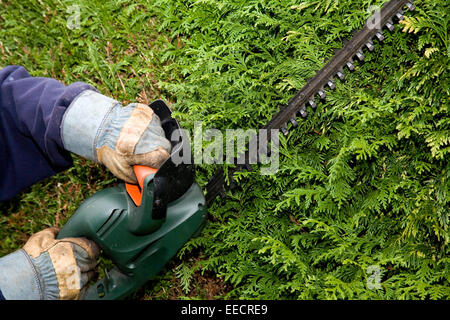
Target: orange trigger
135,191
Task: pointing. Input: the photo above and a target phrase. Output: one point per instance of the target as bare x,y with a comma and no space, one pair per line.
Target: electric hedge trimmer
141,227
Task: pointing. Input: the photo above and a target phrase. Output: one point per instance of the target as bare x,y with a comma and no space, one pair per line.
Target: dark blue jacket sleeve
31,110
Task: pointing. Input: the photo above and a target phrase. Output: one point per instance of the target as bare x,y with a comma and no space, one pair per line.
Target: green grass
115,50
363,181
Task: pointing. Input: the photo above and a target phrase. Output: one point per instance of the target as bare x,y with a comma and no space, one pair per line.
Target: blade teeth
303,112
322,94
380,36
312,103
350,66
360,56
410,6
331,84
222,192
390,26
294,122
341,75
284,130
232,180
400,16
370,46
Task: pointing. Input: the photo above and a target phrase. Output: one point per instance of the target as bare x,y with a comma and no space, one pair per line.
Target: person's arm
31,111
48,269
41,120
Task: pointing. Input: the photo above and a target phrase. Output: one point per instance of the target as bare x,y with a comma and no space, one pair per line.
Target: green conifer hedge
360,206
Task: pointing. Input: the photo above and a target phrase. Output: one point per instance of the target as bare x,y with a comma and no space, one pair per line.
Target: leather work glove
100,129
48,269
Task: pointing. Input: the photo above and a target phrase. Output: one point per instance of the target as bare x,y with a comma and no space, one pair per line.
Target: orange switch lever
135,191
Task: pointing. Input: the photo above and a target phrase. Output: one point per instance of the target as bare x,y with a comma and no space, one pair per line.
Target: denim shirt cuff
25,278
83,122
47,276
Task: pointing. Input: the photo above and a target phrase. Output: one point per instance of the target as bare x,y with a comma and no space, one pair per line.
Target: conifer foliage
360,206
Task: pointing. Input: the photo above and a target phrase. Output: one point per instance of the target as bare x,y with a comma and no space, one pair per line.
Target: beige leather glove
101,129
141,142
48,269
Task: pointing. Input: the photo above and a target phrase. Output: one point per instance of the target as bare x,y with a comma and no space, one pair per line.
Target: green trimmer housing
141,236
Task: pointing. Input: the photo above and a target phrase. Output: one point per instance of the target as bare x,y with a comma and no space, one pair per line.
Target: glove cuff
47,276
83,120
25,278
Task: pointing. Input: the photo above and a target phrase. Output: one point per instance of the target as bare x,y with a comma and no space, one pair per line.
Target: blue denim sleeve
31,111
1,295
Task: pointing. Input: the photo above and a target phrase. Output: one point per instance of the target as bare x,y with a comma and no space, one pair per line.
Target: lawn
360,206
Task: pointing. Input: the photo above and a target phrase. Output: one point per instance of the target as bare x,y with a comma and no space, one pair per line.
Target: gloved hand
100,129
48,269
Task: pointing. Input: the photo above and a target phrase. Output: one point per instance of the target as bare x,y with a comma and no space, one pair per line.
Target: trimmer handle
135,191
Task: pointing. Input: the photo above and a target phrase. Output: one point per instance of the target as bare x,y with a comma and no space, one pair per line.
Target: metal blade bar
332,68
316,85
